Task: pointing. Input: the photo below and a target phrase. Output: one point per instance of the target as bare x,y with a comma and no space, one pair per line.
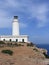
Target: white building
15,33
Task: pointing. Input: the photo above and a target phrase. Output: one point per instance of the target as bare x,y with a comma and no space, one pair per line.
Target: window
22,40
16,40
3,39
10,40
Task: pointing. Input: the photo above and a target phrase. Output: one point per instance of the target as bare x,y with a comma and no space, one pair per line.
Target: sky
33,18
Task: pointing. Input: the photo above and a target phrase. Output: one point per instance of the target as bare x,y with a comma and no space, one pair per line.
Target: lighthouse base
21,38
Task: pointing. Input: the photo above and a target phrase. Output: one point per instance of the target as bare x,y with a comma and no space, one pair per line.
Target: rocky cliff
23,54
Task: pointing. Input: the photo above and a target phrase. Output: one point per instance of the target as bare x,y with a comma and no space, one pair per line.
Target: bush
46,55
35,49
7,52
1,42
15,44
19,45
30,44
9,44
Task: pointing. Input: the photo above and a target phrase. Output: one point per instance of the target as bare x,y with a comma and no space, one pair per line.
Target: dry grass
22,55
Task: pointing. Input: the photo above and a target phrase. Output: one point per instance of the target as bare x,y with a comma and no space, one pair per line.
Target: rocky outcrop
41,50
21,60
24,55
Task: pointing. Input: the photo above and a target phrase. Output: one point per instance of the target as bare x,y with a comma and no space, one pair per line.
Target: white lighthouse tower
15,26
15,33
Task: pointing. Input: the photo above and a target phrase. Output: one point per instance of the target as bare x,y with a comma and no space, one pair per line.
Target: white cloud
29,8
39,12
12,3
5,21
41,16
23,25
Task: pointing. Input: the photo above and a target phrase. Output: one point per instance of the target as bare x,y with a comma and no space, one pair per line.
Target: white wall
15,28
7,38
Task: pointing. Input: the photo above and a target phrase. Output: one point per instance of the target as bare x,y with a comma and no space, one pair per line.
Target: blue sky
33,18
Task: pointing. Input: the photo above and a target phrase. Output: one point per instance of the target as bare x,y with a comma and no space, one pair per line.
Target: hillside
23,55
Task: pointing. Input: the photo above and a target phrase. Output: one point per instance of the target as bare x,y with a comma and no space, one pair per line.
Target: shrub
47,64
19,45
46,55
30,44
9,44
1,42
15,44
7,52
35,49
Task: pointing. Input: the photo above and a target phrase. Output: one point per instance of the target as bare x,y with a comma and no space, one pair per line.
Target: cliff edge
23,54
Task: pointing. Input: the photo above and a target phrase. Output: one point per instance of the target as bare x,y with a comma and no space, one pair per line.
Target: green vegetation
30,44
7,52
13,45
10,44
1,42
35,49
20,45
46,55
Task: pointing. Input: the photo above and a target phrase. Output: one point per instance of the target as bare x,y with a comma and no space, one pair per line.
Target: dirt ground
22,56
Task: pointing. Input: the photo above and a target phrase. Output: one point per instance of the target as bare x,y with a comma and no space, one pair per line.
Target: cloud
5,21
8,9
39,12
24,8
23,25
27,10
41,15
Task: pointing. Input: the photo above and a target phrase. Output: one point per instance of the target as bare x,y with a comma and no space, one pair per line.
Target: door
22,40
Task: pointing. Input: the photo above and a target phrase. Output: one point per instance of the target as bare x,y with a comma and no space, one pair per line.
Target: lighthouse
15,26
16,36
